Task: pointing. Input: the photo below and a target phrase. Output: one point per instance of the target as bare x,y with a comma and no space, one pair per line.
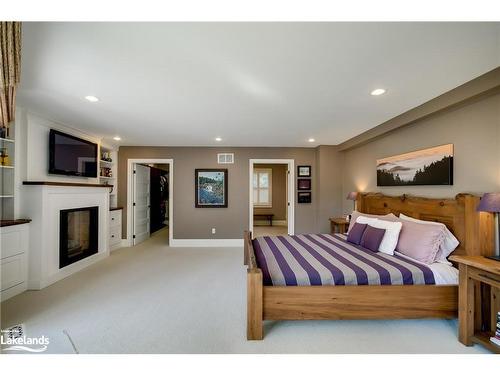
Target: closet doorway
149,204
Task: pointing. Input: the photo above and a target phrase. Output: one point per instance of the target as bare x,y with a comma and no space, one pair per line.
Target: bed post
247,238
255,330
479,228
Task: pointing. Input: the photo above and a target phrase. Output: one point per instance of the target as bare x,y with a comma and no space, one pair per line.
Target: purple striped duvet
324,259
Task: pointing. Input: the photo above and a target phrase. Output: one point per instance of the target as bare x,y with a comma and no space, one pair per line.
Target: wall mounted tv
71,156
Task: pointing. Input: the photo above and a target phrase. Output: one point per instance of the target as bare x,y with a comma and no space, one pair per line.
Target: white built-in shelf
107,162
7,166
107,178
6,196
6,140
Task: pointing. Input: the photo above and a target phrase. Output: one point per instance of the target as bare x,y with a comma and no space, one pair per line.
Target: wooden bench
265,216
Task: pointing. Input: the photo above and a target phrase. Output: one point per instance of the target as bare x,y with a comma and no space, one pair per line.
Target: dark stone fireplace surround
78,234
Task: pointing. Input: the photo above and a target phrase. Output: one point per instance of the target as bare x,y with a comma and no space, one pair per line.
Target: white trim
130,174
291,190
237,242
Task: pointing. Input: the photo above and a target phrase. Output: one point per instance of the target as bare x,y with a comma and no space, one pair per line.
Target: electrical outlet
213,230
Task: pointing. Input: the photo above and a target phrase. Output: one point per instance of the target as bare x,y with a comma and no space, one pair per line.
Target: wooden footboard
255,313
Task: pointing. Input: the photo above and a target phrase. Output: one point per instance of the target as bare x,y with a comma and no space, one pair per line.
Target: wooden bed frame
474,230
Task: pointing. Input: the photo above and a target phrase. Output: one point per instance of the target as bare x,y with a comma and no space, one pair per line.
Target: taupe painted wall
279,193
474,129
191,222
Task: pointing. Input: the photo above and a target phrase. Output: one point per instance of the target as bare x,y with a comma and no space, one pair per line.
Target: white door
141,203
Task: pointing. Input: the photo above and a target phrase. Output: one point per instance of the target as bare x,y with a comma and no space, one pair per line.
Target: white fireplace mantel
43,203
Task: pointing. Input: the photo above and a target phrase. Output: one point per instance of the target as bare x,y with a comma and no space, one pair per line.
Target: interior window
262,187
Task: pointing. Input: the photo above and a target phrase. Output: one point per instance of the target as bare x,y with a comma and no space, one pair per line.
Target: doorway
150,200
271,197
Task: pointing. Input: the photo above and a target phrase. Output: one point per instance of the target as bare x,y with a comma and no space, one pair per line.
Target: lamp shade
490,202
352,195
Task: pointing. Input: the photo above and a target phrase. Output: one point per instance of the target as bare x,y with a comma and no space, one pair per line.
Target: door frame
130,183
290,190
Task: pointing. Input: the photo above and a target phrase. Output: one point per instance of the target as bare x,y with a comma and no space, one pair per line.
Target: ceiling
252,84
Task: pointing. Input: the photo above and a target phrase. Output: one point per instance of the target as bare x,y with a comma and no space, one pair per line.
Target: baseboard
125,243
277,223
206,242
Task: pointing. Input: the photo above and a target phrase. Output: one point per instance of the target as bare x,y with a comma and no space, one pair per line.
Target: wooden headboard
474,230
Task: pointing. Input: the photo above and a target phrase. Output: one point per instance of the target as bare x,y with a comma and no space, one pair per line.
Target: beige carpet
156,299
275,230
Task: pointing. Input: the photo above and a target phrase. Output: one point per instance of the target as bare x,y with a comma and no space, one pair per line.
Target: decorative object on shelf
10,37
211,188
106,172
3,132
431,166
303,184
4,157
490,202
304,171
304,197
352,196
106,156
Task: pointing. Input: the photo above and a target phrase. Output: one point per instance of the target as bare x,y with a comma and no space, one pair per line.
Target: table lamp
490,202
352,197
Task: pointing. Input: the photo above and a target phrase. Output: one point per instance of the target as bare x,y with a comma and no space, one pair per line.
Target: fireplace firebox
78,234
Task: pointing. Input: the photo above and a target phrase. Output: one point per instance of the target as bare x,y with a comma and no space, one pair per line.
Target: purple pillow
356,233
372,237
420,241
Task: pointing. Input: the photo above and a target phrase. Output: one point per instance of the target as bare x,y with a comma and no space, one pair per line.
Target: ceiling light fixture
117,138
311,140
378,92
92,98
218,139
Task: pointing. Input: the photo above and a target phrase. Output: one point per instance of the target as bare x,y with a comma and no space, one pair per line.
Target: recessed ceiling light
117,138
378,92
92,98
218,139
311,140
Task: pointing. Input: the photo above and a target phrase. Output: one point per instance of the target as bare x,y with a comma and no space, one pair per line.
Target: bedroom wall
474,130
230,222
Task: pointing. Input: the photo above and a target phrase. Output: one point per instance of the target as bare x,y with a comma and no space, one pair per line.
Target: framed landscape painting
210,188
431,166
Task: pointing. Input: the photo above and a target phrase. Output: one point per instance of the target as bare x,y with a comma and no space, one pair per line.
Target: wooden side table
478,300
338,225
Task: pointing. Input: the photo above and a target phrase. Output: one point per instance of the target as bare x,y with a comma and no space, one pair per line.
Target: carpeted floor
156,299
266,230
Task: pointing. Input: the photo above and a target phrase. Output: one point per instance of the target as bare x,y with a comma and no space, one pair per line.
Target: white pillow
449,244
391,235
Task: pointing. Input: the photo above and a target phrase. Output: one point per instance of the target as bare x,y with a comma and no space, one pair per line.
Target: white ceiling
253,84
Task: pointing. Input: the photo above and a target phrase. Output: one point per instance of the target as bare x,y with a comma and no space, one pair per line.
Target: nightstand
478,299
338,225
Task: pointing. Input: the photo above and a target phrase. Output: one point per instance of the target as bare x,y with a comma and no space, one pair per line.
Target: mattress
324,259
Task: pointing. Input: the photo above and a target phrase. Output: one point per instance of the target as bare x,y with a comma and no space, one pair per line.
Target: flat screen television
71,156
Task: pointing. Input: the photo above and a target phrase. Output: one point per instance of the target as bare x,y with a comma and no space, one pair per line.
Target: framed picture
303,184
304,171
304,197
210,188
430,166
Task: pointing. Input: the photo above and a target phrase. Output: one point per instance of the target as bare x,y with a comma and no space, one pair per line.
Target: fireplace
78,234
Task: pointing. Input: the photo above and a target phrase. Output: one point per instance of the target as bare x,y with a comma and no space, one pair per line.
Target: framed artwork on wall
430,166
303,184
304,197
304,171
211,188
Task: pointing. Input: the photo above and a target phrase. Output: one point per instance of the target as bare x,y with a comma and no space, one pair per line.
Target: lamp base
494,257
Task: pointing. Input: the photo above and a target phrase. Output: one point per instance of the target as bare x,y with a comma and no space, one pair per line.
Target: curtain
10,69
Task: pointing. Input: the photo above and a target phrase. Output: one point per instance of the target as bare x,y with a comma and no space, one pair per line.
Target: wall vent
225,158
